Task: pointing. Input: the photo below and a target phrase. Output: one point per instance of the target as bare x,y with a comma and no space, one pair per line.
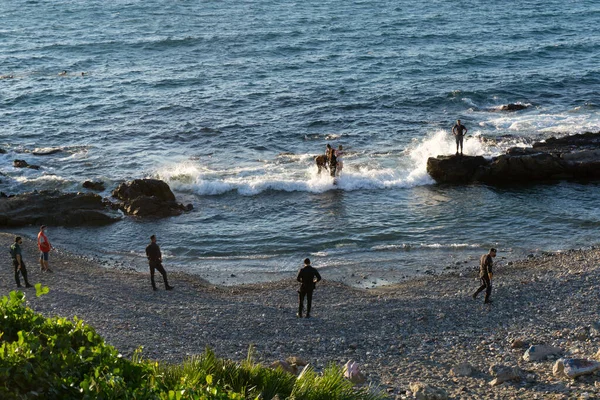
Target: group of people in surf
331,160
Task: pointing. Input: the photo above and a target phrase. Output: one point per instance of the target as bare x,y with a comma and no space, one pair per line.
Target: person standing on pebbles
485,274
45,247
308,276
155,261
17,259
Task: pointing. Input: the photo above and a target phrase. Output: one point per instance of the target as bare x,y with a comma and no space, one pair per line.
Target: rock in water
24,164
55,208
98,186
148,197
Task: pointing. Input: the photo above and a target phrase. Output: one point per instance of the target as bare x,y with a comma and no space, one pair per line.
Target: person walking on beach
17,258
308,276
155,261
485,274
459,131
45,247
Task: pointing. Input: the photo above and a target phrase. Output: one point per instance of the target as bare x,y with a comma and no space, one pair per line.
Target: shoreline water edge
423,335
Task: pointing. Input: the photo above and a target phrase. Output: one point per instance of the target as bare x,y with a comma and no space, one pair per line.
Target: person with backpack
308,276
485,274
17,258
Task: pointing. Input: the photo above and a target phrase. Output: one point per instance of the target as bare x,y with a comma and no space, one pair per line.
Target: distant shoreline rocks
140,197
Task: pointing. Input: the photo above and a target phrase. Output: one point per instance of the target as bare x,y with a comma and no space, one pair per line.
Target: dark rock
128,191
46,152
513,107
24,164
572,157
98,186
55,208
148,197
454,169
2,151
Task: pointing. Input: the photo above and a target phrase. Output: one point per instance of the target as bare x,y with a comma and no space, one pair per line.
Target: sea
229,102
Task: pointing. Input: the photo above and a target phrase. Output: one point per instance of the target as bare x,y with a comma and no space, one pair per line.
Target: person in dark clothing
17,259
485,274
459,131
307,276
155,261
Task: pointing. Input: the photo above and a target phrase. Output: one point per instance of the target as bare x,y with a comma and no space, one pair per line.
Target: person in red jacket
45,247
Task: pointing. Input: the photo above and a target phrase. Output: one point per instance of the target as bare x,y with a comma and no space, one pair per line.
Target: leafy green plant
57,358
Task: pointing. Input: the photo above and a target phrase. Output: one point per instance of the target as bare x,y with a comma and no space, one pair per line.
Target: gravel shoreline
415,331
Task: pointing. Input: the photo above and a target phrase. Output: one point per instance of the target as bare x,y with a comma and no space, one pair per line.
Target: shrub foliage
57,358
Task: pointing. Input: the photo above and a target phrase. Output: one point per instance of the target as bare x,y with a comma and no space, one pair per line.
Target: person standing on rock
17,259
155,261
485,274
308,276
459,131
45,247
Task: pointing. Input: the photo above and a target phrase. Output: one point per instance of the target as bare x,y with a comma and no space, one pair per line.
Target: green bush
55,358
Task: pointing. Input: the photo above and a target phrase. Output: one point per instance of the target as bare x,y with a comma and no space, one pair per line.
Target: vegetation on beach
56,358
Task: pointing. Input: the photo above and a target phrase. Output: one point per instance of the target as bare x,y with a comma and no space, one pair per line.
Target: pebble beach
426,331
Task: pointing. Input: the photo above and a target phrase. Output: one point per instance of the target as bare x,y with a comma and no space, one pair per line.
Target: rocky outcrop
55,208
513,107
24,164
148,197
97,186
571,157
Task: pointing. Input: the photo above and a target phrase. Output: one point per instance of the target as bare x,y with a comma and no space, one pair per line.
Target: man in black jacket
307,276
155,260
485,274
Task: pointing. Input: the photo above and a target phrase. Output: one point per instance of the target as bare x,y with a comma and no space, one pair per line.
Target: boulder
574,367
504,373
148,197
297,361
455,169
462,369
519,344
284,366
24,164
51,207
97,186
540,352
513,107
423,391
570,157
353,374
2,151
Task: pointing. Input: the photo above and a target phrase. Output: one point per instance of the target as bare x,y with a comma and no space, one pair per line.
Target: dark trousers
23,271
486,284
332,169
157,265
301,296
459,142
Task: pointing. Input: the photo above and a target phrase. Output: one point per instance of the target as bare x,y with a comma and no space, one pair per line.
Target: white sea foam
547,123
299,174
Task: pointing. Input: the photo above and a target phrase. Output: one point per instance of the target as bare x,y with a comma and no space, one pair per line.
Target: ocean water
229,101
